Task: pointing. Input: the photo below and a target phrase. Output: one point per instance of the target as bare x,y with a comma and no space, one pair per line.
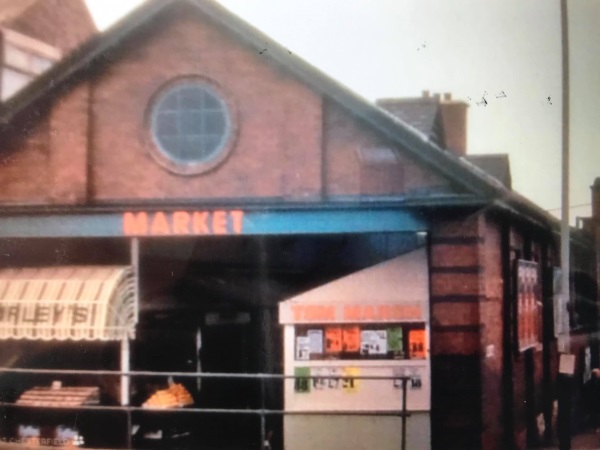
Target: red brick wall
278,140
491,309
24,166
68,135
64,24
344,137
456,293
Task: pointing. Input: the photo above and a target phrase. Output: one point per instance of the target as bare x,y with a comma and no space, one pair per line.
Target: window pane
190,123
13,81
166,124
214,123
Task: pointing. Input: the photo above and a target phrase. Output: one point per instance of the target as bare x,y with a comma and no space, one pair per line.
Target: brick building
241,177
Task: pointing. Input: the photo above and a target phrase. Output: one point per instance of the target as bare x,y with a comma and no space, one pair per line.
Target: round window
191,126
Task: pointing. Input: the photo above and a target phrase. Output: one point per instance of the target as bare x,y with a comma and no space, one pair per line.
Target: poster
417,344
302,348
333,339
349,382
528,297
351,339
327,378
302,380
373,342
315,341
394,340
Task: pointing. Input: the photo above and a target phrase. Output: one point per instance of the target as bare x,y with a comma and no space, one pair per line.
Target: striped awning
80,303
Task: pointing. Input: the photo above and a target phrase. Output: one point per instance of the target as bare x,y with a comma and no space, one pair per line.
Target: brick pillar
456,289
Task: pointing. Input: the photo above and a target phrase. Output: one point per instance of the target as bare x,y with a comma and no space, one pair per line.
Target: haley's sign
183,223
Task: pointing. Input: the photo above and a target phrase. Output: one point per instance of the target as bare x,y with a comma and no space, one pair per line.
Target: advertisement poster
528,293
333,339
329,378
302,380
417,344
351,339
302,348
349,383
373,342
394,340
315,338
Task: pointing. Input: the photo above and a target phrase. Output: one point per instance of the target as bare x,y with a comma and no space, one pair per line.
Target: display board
373,323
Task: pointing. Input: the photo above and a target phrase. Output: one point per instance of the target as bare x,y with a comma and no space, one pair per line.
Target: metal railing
261,412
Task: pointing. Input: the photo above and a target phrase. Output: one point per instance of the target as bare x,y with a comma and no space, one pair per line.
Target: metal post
125,369
135,264
564,345
263,433
404,384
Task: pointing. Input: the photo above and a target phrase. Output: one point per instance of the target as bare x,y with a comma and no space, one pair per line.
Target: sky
506,51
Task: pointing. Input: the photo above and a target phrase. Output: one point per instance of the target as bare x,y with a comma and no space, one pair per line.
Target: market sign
307,219
183,223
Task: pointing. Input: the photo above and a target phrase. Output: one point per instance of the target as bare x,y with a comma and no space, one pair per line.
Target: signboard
528,300
357,313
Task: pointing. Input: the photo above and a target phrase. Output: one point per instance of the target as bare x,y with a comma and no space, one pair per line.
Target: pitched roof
421,113
497,165
89,57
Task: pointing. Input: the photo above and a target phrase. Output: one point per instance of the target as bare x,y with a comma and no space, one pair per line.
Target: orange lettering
237,218
135,224
199,223
160,226
219,222
181,222
297,312
352,313
368,313
384,312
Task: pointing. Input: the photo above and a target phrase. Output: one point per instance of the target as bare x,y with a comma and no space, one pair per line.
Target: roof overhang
396,290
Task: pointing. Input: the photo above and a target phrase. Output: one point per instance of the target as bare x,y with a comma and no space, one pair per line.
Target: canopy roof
91,303
396,290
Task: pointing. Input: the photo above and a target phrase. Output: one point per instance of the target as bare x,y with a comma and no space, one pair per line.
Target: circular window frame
162,158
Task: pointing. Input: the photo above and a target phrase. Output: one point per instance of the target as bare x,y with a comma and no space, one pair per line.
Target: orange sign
183,223
417,344
333,339
351,339
355,313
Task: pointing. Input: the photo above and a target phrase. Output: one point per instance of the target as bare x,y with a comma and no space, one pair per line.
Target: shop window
529,305
191,127
360,342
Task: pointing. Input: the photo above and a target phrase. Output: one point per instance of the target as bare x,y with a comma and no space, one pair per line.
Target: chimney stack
454,123
426,94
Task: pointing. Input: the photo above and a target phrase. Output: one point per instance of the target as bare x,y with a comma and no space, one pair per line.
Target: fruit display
60,397
175,396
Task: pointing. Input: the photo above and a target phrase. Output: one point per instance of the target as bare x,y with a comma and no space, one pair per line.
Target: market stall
372,323
65,304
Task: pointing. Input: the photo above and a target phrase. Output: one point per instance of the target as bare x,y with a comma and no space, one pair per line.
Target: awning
396,290
80,303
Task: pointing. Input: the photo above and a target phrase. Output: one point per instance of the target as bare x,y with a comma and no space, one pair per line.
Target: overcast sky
507,51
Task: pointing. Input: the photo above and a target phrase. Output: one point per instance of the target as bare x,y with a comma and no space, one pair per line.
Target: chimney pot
448,96
426,94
